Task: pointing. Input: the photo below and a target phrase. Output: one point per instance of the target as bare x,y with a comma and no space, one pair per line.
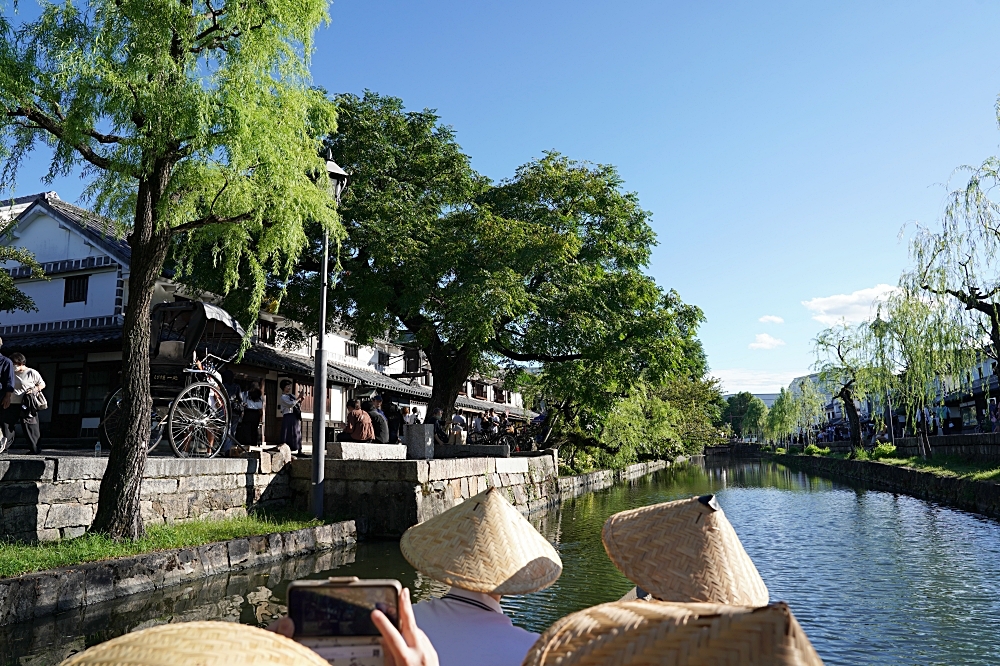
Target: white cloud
771,319
765,341
735,380
848,308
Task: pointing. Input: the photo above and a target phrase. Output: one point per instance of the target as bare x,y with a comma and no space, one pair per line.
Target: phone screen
328,610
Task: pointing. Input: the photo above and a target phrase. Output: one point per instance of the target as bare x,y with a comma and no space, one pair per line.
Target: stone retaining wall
387,497
56,590
574,486
48,498
970,447
979,496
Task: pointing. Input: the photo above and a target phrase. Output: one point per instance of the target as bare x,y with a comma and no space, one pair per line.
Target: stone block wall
387,497
574,486
44,499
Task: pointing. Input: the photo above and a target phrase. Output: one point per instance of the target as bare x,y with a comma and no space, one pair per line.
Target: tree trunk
852,416
118,511
451,370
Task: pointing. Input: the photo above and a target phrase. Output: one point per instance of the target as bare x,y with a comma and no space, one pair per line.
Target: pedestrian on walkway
291,417
28,382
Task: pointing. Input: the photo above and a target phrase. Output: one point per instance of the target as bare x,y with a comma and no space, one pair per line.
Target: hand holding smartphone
333,617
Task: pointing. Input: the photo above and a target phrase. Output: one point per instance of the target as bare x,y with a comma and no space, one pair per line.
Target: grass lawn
950,466
17,559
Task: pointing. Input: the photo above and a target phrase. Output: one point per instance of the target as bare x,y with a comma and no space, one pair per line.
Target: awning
465,402
62,339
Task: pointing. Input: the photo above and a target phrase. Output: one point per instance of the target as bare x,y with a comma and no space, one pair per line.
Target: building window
267,332
411,358
498,395
351,349
479,390
76,289
383,358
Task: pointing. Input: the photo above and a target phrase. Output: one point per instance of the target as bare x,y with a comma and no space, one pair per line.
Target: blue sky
781,147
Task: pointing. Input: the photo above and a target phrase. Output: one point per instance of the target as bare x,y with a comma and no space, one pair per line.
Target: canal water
874,578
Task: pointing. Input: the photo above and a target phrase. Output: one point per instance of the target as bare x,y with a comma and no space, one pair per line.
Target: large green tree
544,269
195,125
736,410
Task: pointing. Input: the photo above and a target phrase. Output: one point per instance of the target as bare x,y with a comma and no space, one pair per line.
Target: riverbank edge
981,497
66,588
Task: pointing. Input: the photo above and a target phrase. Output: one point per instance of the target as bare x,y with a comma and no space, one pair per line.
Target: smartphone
333,617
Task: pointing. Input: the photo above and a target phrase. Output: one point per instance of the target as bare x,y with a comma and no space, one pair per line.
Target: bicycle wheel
111,421
198,421
509,440
475,438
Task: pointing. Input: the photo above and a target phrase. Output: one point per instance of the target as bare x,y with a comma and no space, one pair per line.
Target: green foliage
735,412
755,419
679,416
17,559
780,451
813,450
12,298
859,453
198,132
782,417
882,450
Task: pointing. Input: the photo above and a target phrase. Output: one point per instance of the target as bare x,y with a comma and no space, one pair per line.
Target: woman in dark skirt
291,417
248,432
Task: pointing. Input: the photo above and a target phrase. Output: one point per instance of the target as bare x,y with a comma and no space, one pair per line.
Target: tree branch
210,220
540,358
54,128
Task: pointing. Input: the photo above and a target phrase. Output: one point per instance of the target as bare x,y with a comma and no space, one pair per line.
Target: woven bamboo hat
483,545
659,633
684,551
201,643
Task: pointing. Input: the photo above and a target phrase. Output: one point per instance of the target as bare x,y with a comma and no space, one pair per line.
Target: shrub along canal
874,578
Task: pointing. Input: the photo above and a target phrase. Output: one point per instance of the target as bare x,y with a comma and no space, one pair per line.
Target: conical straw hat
201,643
483,545
684,551
659,633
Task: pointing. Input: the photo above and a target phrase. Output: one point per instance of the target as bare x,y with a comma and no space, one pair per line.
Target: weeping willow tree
920,353
845,363
808,405
782,417
196,128
957,266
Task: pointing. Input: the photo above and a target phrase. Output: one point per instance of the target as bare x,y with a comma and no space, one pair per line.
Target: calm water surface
874,578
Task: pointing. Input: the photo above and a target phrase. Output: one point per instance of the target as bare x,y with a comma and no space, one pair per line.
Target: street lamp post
339,180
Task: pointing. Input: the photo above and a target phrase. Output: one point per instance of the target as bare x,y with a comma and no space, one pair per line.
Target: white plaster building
74,338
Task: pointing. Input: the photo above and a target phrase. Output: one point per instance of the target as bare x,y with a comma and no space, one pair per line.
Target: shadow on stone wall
19,495
243,596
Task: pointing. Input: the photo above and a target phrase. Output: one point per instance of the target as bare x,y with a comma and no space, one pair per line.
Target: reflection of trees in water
244,596
742,473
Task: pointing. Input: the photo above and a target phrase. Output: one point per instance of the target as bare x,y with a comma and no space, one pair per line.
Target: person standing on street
17,406
7,381
291,417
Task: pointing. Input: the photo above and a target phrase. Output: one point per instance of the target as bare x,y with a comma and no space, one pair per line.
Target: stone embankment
978,496
387,498
46,592
45,499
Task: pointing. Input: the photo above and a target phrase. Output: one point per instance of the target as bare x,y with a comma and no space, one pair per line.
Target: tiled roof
266,357
98,229
370,378
481,406
63,338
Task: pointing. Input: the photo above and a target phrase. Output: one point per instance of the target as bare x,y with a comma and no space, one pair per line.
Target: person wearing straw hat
483,548
659,633
684,551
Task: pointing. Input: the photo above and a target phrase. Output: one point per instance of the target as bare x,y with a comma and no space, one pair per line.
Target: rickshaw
190,341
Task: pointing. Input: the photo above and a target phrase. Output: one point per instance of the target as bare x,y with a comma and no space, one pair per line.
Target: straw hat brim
483,545
202,643
654,633
685,551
